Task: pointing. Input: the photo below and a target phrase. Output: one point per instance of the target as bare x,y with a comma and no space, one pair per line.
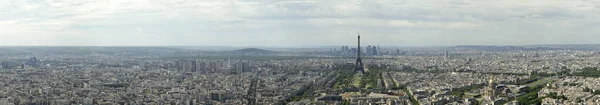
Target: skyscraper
359,64
369,50
228,64
345,49
32,61
242,66
445,54
373,50
194,66
178,65
378,50
5,65
201,66
212,66
186,65
22,66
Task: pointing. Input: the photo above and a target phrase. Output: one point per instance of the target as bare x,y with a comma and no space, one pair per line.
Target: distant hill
252,51
505,48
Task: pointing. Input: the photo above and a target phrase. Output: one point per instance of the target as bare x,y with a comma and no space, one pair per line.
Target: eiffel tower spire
359,64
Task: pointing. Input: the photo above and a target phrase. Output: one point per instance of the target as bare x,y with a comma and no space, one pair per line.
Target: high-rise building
446,54
378,50
228,64
373,50
212,66
369,49
223,65
22,66
242,66
33,61
347,48
186,65
194,66
5,65
239,67
354,50
179,65
201,66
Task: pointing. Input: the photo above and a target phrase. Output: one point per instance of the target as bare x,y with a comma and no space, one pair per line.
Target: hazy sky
298,22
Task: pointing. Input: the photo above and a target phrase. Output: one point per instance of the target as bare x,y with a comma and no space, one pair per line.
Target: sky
298,23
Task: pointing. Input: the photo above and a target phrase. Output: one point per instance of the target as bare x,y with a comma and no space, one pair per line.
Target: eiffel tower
359,64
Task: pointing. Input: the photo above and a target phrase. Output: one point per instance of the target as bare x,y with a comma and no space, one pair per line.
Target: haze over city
299,52
297,23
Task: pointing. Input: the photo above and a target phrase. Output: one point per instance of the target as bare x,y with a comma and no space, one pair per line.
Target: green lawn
356,81
542,81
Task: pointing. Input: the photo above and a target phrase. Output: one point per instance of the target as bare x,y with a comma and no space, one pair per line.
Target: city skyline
299,52
461,75
293,23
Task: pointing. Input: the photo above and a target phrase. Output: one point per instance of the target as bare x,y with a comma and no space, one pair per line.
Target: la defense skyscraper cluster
359,64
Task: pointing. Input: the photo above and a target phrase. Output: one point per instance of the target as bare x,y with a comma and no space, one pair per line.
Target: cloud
278,22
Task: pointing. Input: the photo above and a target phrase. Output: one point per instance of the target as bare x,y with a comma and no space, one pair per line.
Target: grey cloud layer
297,22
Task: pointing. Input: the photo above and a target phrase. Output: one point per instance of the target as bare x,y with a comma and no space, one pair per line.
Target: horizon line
278,46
